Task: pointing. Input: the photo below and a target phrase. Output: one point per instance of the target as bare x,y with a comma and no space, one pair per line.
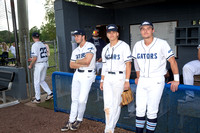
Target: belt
120,72
81,71
42,62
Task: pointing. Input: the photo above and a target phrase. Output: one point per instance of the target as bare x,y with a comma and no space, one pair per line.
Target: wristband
101,80
126,80
176,77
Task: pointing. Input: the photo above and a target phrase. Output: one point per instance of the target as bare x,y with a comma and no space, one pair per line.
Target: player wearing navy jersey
151,54
116,59
40,61
83,60
99,44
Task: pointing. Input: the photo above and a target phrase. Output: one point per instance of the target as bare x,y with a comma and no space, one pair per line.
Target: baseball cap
35,34
111,27
146,23
79,32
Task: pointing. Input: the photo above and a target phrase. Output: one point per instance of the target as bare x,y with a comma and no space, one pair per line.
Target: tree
48,30
33,29
6,36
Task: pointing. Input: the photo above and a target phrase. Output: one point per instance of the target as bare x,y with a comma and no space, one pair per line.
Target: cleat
75,125
186,99
49,97
35,101
66,127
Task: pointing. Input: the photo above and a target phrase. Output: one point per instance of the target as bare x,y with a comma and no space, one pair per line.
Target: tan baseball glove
127,97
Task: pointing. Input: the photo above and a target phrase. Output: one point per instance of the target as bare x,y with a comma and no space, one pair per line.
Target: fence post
58,52
28,72
55,54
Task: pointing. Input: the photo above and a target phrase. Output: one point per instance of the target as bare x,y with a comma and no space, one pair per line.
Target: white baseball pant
113,87
98,66
189,70
81,85
40,70
148,95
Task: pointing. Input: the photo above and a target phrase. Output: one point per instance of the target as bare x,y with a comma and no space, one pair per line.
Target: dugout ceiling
121,3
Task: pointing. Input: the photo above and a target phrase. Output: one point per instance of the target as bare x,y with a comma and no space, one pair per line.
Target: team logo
111,27
170,51
90,48
80,56
145,23
147,56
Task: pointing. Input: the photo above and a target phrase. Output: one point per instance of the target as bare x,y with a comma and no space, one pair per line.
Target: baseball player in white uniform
151,55
189,70
39,59
116,59
83,60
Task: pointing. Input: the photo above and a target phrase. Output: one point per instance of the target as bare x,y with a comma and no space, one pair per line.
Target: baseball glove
127,97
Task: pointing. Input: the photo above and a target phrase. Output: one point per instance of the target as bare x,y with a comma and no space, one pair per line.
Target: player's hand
29,67
30,59
101,85
99,60
136,80
126,86
174,85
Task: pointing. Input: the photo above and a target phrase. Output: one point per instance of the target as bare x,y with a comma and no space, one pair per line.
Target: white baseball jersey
114,58
80,53
152,59
39,50
198,46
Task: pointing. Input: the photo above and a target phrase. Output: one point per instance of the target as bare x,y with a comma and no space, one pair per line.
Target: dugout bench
6,81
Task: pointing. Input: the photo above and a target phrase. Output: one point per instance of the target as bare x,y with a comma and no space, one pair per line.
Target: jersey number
43,52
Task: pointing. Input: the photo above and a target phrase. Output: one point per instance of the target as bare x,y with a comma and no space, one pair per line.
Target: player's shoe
186,99
66,127
49,97
75,125
35,101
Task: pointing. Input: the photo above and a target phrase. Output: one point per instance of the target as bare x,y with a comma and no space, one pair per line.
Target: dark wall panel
183,13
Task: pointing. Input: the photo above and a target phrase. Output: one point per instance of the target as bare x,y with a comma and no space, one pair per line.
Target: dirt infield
27,118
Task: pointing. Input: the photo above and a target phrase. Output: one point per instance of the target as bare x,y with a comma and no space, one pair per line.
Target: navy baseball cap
111,27
79,32
35,34
146,23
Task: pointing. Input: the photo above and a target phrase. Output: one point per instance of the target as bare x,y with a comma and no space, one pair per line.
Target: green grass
47,104
52,61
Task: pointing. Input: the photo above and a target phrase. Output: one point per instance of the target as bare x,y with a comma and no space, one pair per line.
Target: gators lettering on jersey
80,53
114,58
152,59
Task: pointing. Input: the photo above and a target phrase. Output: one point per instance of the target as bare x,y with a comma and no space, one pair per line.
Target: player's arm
137,77
137,69
199,54
86,60
74,65
128,73
174,67
34,59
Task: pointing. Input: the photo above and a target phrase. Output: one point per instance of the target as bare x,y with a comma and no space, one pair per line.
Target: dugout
128,14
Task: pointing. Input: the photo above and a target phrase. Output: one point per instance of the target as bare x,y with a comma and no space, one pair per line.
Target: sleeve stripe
130,60
170,56
103,62
89,52
73,60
